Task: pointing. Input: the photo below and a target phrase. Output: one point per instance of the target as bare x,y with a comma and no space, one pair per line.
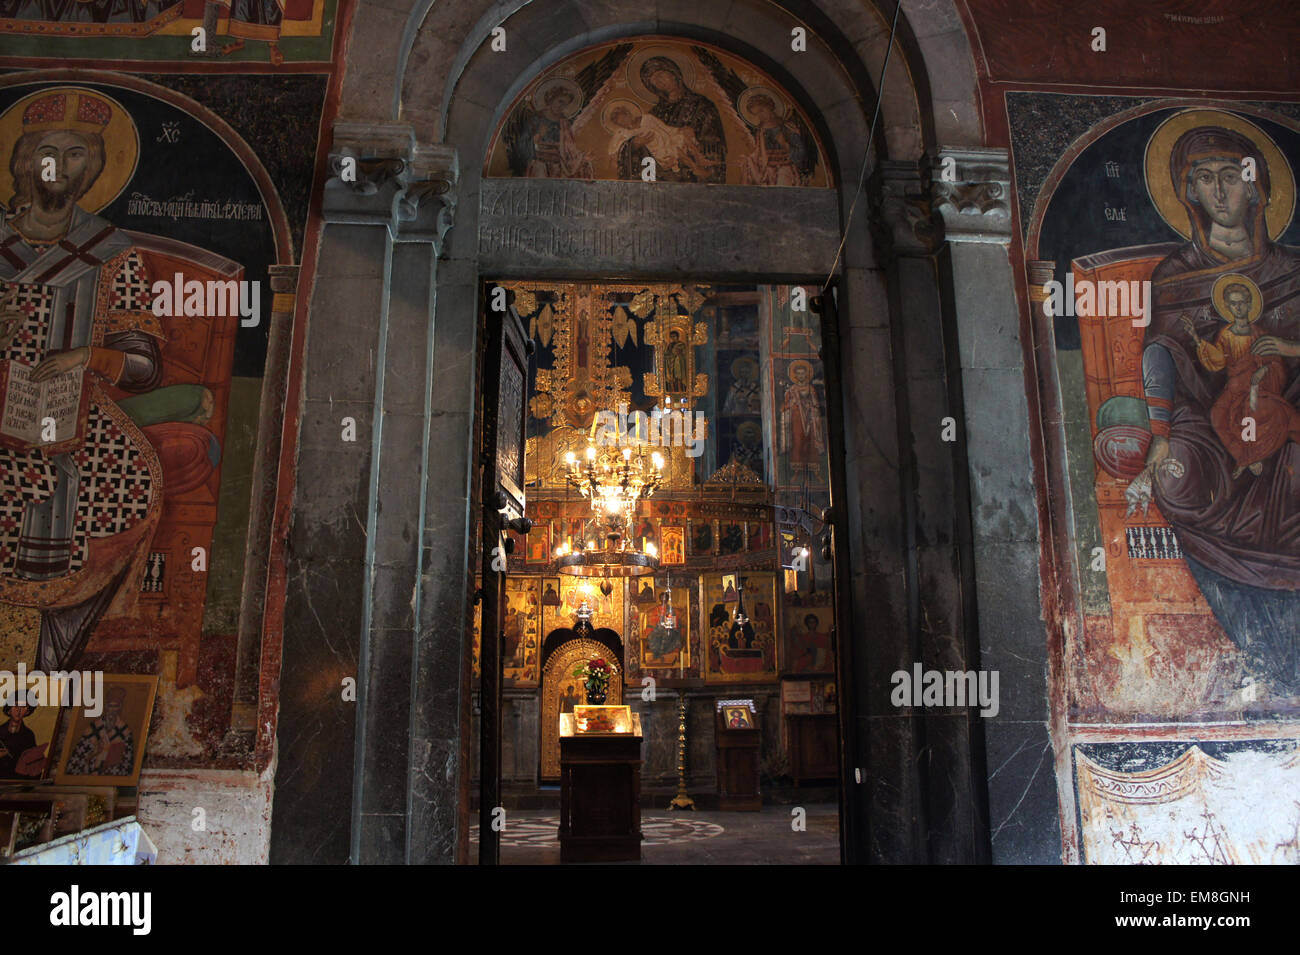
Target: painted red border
268,703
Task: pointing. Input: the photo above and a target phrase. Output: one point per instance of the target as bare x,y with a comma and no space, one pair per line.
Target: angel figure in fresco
803,435
540,137
1239,532
543,138
783,151
1254,389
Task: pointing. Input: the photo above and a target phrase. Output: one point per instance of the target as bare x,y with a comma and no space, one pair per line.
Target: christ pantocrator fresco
1223,346
75,526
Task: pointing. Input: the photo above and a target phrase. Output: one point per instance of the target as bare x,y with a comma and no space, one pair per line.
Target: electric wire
866,159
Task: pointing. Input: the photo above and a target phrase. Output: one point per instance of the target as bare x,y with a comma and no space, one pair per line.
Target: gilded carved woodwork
557,677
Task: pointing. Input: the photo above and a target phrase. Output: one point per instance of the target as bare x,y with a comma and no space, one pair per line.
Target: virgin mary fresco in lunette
1239,527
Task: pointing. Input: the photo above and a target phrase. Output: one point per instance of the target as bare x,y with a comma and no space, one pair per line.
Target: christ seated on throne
77,522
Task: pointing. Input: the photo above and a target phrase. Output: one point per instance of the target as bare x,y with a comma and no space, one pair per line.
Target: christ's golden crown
82,112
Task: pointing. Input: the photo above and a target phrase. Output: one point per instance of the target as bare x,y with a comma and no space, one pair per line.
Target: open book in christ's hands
49,415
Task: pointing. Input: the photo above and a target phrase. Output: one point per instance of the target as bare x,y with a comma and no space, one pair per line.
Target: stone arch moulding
449,88
847,40
932,76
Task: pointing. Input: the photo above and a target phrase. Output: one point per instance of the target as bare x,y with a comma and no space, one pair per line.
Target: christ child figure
671,146
1250,416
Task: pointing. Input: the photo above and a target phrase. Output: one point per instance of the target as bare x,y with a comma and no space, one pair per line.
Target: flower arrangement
595,677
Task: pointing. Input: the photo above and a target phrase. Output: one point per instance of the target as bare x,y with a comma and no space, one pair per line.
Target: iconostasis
731,379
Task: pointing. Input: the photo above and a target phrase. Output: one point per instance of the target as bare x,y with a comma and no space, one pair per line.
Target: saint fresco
700,114
1192,425
127,534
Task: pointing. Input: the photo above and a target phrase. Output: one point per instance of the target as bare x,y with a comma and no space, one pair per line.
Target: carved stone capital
366,163
902,222
972,192
380,175
427,205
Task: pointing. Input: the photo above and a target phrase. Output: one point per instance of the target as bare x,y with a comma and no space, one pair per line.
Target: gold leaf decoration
525,302
622,328
690,299
545,326
643,304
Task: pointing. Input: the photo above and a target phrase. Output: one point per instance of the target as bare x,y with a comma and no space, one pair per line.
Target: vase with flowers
594,675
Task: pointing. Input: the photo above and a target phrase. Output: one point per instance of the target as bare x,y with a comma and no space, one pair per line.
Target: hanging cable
866,159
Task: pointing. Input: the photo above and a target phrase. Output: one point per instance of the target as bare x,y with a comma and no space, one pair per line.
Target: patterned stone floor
690,838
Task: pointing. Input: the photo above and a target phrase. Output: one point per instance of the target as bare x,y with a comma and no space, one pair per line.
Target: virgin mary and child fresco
693,117
1221,374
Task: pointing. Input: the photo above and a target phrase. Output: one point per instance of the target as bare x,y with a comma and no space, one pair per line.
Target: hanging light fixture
614,477
668,618
584,613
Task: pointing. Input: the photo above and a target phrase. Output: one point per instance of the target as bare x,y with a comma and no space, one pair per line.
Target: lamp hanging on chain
614,476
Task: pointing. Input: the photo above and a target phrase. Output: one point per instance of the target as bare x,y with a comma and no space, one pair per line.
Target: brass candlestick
681,800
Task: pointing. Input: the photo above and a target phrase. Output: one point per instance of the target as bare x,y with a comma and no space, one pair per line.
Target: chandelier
615,480
614,477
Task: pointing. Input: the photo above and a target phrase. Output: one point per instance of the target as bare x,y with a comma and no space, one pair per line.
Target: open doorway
724,647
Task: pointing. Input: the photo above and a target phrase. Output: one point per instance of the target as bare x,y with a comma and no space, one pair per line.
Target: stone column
266,465
925,762
344,777
975,207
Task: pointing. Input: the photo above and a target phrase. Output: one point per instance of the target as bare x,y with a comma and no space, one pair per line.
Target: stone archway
419,118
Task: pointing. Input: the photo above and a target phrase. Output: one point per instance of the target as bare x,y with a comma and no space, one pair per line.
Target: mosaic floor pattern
656,831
